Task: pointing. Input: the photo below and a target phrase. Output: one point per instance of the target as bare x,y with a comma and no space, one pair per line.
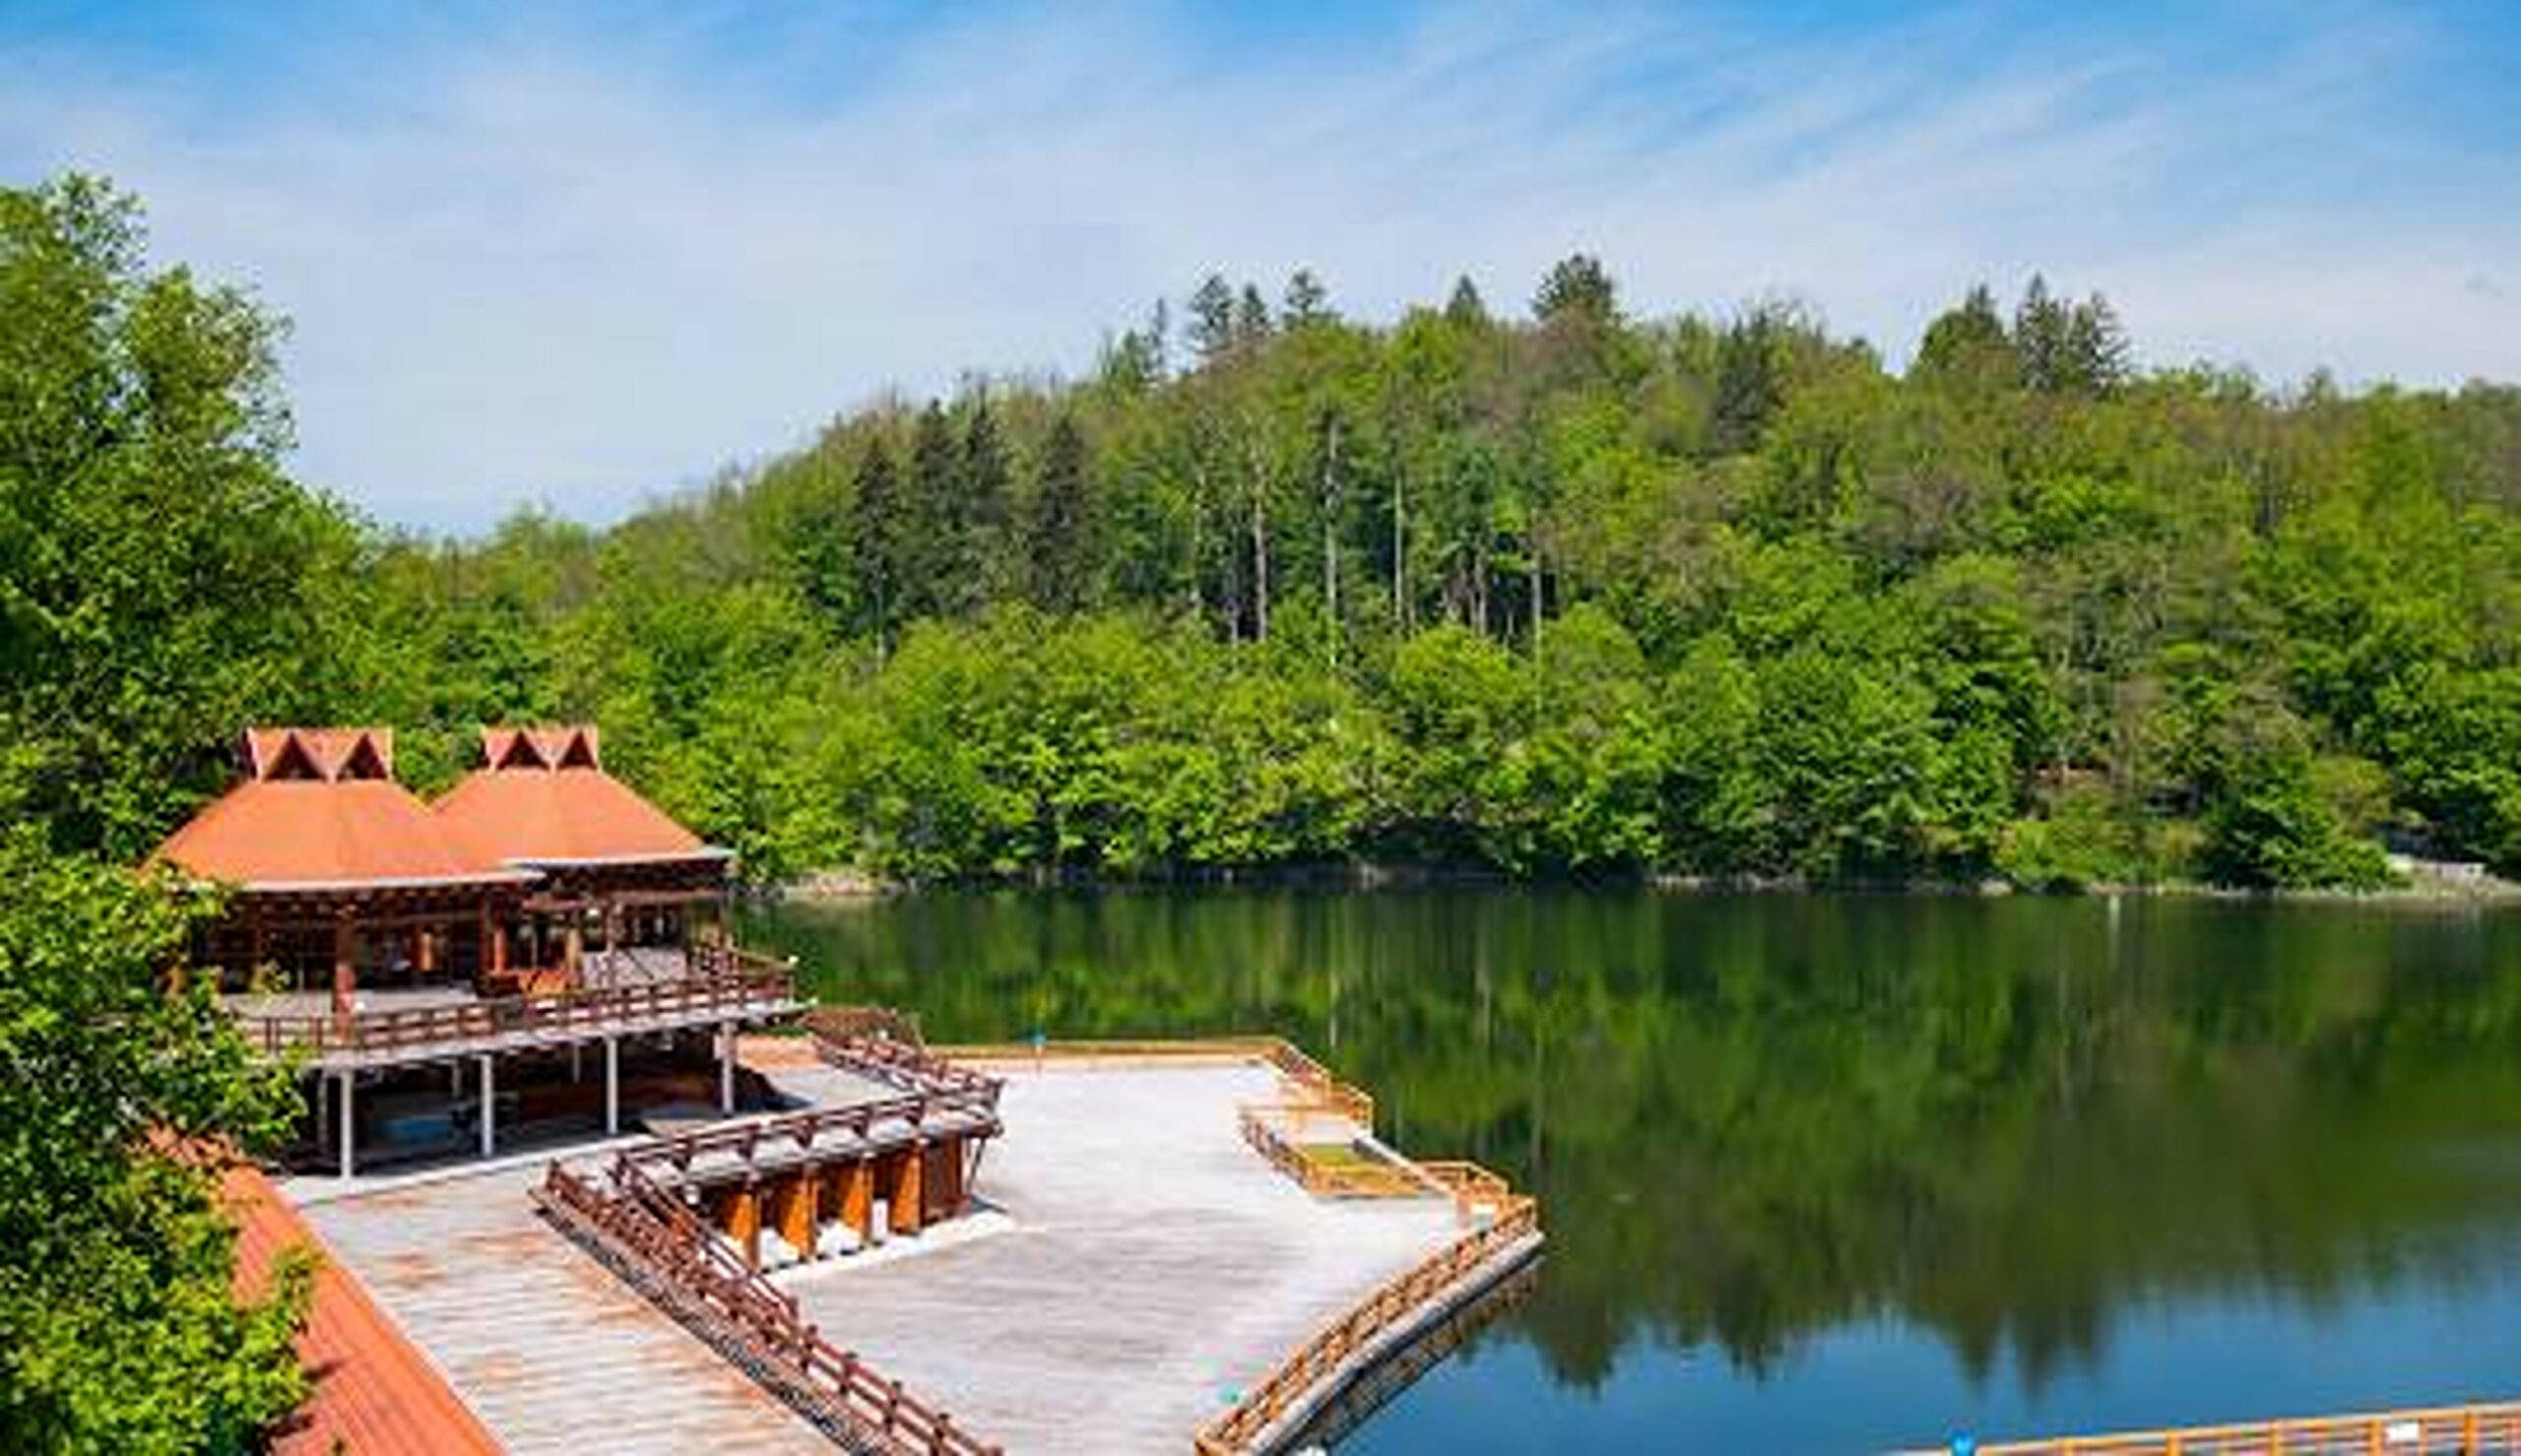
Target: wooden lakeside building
447,969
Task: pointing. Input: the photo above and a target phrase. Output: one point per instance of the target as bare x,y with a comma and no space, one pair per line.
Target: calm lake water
1843,1173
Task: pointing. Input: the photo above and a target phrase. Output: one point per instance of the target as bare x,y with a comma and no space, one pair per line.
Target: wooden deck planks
553,1351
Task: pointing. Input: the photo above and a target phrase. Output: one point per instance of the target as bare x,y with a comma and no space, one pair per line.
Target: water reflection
2030,1137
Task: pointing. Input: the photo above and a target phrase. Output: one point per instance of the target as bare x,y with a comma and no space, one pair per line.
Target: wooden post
350,1127
946,1172
726,1066
907,1197
489,1108
424,955
345,967
743,1223
612,1086
573,949
858,1197
798,1213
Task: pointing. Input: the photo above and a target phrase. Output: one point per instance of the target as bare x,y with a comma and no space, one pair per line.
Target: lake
1837,1173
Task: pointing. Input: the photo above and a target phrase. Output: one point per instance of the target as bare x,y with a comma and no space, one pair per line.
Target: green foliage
117,1329
1577,594
158,573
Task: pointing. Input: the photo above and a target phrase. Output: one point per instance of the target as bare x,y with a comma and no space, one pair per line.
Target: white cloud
582,271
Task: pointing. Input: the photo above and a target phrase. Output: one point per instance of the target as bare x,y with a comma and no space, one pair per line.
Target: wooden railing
878,1126
1328,1354
1285,1057
1363,1178
2443,1430
749,984
884,1047
647,1234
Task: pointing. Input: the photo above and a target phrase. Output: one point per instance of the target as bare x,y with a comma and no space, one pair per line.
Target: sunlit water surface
1844,1174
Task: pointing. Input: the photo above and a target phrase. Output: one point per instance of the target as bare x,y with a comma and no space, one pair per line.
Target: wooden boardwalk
552,1350
2493,1429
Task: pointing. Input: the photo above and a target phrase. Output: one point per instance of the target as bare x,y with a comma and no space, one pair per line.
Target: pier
1128,1269
2483,1429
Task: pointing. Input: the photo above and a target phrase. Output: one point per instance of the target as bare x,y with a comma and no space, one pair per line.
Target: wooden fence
732,1151
647,1234
884,1046
2493,1429
566,1014
1328,1355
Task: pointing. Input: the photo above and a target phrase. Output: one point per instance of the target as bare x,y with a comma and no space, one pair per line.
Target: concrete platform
1152,1268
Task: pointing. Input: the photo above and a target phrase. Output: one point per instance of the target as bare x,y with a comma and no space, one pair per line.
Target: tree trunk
1259,546
1330,540
1400,559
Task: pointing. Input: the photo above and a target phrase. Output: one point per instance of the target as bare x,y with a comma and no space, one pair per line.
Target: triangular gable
370,756
290,759
515,750
578,751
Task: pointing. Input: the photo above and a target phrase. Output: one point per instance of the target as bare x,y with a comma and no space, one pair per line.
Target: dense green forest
1543,590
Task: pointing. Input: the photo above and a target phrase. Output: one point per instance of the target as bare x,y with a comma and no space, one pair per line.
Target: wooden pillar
489,1108
798,1213
573,950
907,1197
945,1179
345,967
743,1223
424,955
612,1086
726,1066
349,1127
858,1197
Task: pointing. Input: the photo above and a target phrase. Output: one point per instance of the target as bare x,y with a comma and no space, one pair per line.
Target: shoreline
2421,883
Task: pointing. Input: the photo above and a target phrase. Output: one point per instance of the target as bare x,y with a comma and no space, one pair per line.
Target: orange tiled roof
543,799
374,1393
322,812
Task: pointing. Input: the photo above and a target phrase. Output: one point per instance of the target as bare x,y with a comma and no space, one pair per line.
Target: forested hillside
1532,584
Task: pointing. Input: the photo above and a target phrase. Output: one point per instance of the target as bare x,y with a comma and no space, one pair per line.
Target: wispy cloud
581,263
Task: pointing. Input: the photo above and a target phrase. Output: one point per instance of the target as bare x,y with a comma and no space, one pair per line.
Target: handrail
964,1111
1399,1300
666,1250
2439,1431
591,1008
862,1040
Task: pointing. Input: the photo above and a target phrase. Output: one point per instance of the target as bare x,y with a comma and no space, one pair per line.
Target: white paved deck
1154,1267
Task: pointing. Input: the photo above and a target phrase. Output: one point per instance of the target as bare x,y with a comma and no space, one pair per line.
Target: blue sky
582,256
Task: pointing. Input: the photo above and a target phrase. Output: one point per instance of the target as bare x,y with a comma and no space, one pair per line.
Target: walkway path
553,1352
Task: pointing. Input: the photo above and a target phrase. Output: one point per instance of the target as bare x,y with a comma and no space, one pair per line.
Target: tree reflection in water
1752,1119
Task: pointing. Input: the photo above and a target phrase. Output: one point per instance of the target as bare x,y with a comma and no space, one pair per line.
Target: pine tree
2039,329
1251,320
931,549
1750,382
1211,326
1968,346
983,483
875,540
2096,348
1307,301
1058,556
1465,307
1577,286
